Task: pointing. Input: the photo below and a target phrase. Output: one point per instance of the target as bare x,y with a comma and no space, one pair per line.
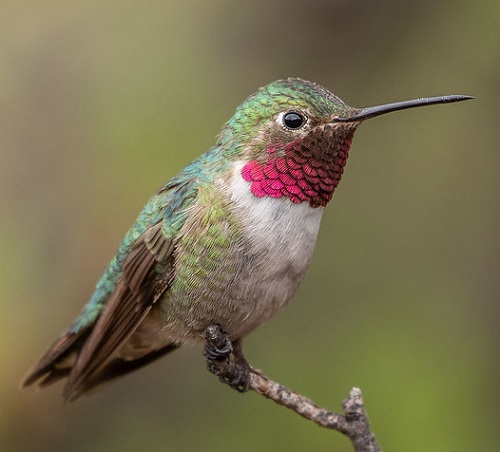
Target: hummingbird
225,242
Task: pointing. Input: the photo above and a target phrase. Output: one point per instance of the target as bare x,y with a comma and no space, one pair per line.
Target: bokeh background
102,102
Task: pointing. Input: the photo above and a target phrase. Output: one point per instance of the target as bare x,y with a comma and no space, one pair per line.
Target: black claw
241,379
218,348
218,344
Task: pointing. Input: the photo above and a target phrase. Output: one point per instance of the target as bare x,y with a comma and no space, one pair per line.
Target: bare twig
353,423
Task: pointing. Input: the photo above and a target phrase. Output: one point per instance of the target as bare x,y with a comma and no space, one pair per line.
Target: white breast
282,236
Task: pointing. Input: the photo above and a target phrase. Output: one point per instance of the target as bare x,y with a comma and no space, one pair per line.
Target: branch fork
225,360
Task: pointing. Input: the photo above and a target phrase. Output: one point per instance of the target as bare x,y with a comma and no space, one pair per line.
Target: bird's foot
218,349
218,345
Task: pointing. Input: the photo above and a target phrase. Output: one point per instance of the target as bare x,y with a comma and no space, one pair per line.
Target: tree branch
353,423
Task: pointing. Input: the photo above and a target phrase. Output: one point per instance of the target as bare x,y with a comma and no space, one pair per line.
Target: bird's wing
136,278
138,289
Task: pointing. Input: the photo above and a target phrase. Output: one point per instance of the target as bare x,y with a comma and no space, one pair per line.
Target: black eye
293,120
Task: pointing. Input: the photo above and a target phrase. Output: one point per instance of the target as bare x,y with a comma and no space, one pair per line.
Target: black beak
371,112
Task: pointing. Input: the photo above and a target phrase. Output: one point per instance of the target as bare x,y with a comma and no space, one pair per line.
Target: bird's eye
293,120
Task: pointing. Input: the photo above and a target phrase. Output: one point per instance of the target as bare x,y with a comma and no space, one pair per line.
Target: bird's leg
218,345
218,348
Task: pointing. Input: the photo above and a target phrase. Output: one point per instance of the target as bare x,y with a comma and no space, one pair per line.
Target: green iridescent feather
171,207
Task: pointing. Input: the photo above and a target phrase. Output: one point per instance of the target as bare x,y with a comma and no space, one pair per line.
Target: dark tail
58,362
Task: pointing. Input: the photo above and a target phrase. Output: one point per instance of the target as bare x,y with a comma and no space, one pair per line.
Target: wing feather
136,292
135,279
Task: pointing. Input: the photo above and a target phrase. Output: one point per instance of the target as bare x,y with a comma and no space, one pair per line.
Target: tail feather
114,369
57,363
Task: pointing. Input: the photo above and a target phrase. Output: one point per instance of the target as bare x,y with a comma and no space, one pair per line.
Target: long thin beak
371,112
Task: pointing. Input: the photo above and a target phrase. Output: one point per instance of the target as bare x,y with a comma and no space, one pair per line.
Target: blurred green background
102,102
